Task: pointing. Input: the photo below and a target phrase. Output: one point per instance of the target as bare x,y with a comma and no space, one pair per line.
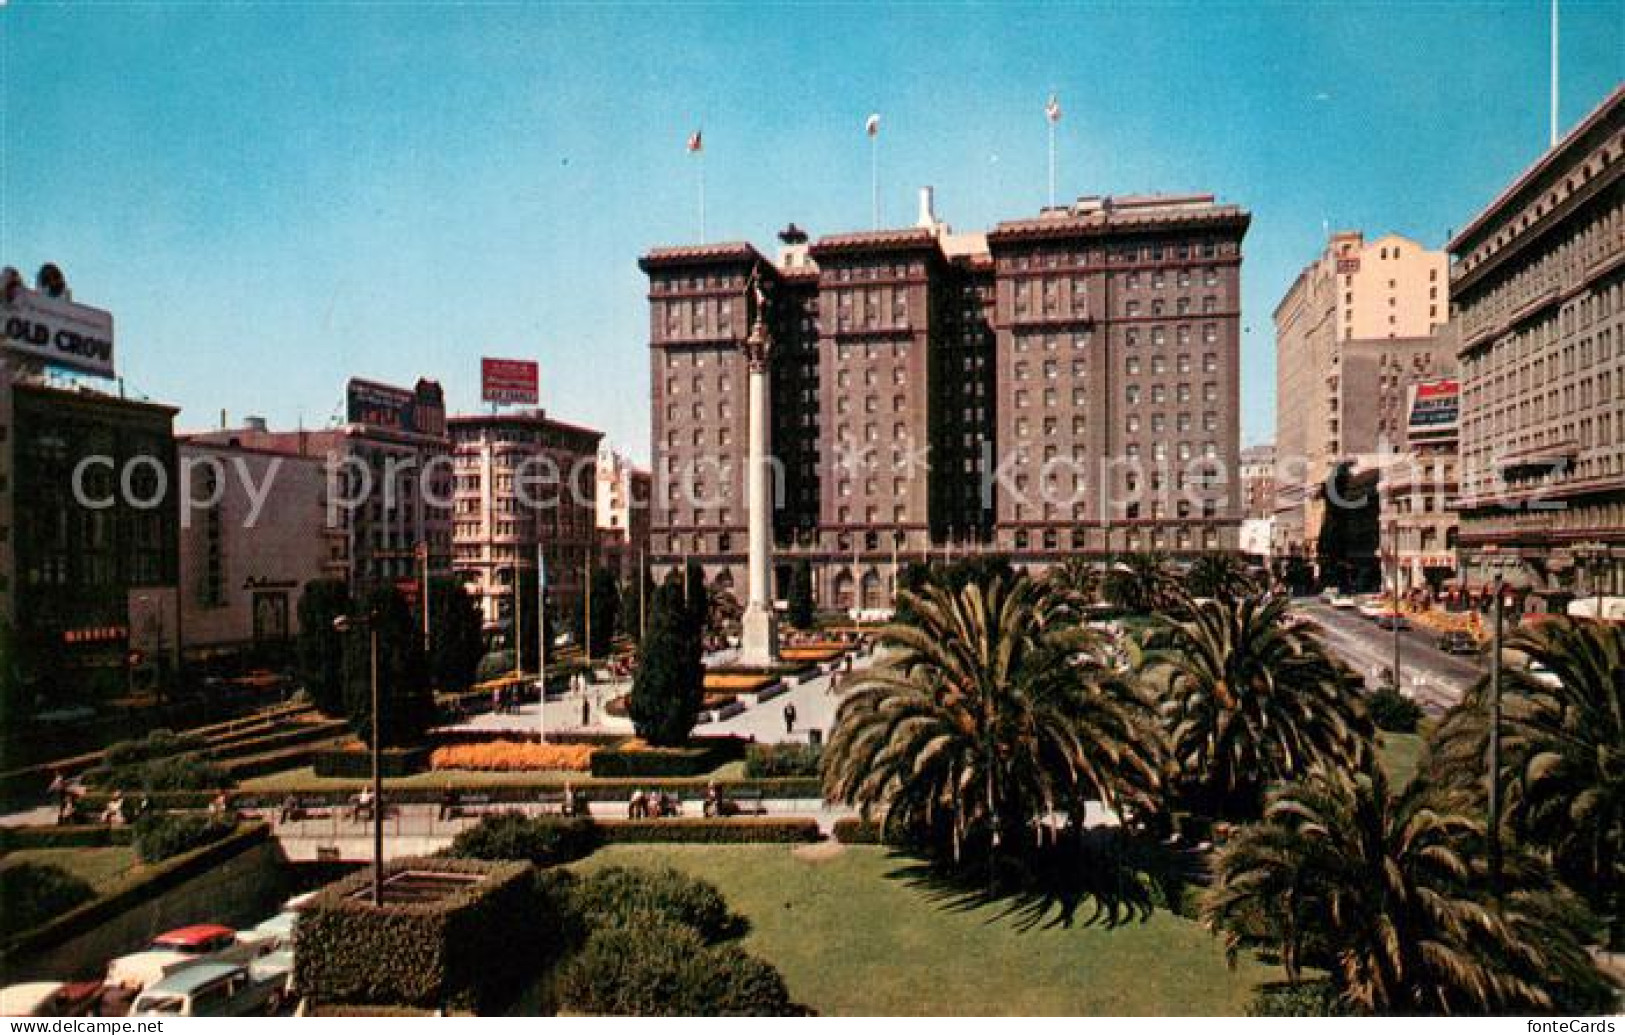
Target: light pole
1494,752
1393,537
345,624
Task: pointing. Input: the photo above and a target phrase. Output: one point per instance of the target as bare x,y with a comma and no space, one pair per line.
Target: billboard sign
53,329
510,381
1435,405
382,406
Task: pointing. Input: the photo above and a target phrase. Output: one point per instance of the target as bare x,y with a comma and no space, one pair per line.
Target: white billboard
54,330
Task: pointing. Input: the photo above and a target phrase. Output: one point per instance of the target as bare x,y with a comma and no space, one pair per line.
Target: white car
140,970
1543,675
1344,602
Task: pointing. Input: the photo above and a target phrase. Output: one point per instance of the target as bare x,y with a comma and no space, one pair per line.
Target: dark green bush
853,831
696,759
544,841
161,835
1393,712
353,764
1308,999
32,893
473,947
767,761
617,896
666,970
167,773
159,743
17,839
702,830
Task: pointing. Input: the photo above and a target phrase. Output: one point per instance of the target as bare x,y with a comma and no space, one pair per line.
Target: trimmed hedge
513,836
699,830
18,839
357,765
770,761
472,948
32,893
154,881
666,970
698,758
628,895
853,831
160,835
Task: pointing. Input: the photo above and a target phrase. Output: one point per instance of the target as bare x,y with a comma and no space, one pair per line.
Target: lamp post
1494,750
1393,536
345,624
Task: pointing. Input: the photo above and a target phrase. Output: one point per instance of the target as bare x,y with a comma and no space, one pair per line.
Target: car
51,999
1458,642
1392,620
195,940
139,970
1543,675
212,990
1344,602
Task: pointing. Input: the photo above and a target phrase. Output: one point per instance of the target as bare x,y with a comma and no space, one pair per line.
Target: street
1432,678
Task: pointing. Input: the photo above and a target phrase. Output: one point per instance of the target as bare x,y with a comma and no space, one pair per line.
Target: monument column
759,639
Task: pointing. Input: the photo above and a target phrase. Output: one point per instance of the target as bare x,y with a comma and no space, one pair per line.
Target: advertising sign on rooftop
1435,405
45,325
510,381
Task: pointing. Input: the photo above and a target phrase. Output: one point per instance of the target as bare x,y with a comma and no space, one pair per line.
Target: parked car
51,999
1543,675
1392,620
212,990
1458,642
1344,602
205,942
139,970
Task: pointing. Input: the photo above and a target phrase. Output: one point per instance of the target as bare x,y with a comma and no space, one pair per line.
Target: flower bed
738,682
507,756
813,652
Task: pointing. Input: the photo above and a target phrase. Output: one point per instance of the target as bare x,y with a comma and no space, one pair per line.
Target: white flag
872,126
1052,110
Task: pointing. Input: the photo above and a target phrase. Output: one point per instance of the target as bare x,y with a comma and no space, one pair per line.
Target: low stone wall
239,891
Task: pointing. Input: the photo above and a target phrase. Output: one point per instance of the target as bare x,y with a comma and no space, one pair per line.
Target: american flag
695,144
872,125
1052,110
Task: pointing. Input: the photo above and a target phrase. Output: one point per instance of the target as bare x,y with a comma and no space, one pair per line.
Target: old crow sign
50,328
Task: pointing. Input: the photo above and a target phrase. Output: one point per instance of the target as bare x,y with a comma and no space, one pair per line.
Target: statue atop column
759,639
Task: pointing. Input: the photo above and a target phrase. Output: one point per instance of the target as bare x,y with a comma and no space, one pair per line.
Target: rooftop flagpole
1052,114
872,127
696,146
1554,75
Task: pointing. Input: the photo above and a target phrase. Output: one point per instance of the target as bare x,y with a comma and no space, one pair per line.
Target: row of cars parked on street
1376,609
203,970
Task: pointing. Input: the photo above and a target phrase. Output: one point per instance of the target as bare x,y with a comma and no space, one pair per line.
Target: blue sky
273,197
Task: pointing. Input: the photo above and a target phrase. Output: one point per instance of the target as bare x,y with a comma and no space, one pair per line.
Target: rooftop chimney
928,214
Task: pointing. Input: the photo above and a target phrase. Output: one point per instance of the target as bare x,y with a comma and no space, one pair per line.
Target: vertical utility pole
586,608
1494,752
1393,535
1554,75
541,642
423,555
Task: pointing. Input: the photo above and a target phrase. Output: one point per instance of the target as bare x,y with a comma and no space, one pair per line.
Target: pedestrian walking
586,712
789,718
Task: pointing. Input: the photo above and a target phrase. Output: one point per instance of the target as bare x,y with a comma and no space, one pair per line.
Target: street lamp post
1494,751
1393,536
344,624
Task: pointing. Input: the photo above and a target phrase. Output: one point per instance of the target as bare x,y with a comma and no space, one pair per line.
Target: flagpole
541,642
1051,162
874,179
702,195
1554,75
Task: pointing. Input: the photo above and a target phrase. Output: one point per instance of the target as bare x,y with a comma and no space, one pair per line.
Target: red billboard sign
510,381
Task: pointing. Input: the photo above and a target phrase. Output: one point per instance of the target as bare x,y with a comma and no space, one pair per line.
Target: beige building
253,534
623,515
1359,326
1539,292
1418,490
525,481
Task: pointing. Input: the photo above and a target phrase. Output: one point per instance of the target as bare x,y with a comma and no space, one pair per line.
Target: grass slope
853,938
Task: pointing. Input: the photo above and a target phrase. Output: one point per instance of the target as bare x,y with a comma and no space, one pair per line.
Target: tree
1562,751
606,611
668,688
801,595
321,647
406,705
16,702
1078,579
1387,894
1248,701
1220,576
1139,583
456,635
990,709
1347,543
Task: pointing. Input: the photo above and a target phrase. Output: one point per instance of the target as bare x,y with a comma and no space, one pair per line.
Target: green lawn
101,868
1398,754
851,939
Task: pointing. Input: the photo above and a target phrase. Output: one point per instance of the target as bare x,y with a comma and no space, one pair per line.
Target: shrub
666,691
472,946
32,893
544,841
621,896
637,759
765,761
1309,999
355,762
161,835
157,744
17,839
1392,711
702,830
666,970
507,756
853,831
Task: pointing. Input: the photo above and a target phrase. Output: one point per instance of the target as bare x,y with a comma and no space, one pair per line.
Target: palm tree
1248,700
1563,754
1078,578
989,711
1384,892
1139,583
1218,575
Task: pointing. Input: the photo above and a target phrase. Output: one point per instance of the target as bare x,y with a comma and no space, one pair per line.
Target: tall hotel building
1065,384
1539,292
1357,329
